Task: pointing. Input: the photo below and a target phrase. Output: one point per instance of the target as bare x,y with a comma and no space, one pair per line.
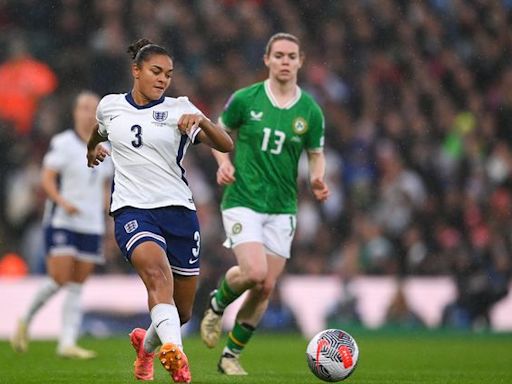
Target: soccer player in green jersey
275,121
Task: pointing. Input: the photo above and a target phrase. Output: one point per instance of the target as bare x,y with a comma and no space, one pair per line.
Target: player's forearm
95,138
316,165
215,136
49,185
220,157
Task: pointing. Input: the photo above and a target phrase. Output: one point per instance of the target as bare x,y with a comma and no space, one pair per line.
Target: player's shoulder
179,105
251,90
246,95
308,98
62,141
112,99
173,101
63,137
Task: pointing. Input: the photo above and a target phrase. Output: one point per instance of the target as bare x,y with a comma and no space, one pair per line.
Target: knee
61,282
265,290
255,275
61,279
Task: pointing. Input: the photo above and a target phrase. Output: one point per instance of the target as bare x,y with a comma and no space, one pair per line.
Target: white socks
46,291
166,321
71,315
151,340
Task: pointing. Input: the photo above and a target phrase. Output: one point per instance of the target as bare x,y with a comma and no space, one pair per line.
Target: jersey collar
273,101
129,99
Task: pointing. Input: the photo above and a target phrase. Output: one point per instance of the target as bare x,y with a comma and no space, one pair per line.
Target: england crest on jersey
160,116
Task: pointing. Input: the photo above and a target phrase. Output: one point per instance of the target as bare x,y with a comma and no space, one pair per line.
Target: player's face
284,60
154,76
84,113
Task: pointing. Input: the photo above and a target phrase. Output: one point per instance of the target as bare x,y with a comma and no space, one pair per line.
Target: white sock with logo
166,321
151,340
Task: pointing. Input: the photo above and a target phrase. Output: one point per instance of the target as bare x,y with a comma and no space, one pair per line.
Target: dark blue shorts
63,242
175,229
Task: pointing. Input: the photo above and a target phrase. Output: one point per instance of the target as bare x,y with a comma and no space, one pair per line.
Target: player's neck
139,97
283,92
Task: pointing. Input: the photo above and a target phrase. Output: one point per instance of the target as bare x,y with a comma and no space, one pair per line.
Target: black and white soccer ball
332,355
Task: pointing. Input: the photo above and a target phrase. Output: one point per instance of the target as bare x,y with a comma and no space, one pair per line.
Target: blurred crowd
418,103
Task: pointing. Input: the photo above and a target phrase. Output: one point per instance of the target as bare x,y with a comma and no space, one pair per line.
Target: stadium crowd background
418,103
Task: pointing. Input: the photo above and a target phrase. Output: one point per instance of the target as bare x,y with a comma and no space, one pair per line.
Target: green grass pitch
385,358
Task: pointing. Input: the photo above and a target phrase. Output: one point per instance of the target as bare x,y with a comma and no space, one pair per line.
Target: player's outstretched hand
96,156
226,173
320,189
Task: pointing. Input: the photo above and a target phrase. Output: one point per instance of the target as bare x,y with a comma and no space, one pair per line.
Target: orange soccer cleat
175,362
143,365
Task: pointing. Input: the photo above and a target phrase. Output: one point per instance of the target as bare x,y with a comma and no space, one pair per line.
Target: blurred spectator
13,265
481,277
24,80
400,314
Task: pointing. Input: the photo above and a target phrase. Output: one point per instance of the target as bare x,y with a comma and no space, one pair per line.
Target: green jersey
268,147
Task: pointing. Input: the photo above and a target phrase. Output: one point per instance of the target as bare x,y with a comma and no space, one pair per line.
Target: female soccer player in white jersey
74,221
275,121
155,220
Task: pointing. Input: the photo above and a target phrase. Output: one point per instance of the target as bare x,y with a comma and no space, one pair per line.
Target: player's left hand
189,121
320,189
96,156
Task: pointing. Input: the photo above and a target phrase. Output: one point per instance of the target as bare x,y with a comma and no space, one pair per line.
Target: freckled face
154,76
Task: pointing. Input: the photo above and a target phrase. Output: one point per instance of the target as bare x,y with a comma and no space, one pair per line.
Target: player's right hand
70,208
226,173
96,156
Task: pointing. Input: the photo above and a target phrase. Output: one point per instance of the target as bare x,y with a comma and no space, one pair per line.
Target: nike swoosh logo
320,345
113,117
193,261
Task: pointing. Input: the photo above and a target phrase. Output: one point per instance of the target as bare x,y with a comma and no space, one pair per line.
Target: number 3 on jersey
278,141
137,129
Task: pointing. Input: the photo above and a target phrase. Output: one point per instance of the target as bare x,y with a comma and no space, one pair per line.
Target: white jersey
147,151
81,186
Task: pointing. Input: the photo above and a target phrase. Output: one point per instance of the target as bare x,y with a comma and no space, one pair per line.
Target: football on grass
332,355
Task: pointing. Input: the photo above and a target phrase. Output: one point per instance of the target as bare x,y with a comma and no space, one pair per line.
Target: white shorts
274,231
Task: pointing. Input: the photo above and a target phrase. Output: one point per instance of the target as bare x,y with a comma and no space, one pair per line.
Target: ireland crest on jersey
300,126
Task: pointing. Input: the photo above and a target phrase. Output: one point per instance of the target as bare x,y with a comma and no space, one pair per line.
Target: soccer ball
332,355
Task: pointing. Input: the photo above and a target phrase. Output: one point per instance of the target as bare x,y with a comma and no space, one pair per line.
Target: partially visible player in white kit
156,224
74,224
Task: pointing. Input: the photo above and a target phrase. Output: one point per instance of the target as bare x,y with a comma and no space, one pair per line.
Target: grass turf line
385,358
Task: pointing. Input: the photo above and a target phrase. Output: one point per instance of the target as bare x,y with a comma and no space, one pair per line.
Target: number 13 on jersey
273,142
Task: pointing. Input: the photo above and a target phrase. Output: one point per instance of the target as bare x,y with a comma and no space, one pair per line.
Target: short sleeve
231,117
316,132
189,107
56,157
102,128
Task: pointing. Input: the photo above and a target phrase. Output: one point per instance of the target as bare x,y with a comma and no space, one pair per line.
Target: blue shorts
63,242
175,229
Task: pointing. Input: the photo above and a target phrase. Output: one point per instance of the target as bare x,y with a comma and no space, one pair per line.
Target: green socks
224,296
239,337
